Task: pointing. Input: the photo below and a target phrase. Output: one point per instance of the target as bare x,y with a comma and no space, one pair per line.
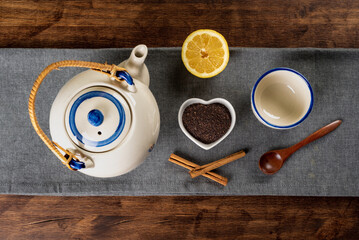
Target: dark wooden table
108,24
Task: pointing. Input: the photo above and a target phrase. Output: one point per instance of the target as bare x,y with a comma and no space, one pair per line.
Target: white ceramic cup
198,100
282,98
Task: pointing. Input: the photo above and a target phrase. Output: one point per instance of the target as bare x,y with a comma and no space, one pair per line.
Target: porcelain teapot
104,121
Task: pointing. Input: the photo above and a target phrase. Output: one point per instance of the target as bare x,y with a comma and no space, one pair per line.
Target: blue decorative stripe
306,81
119,128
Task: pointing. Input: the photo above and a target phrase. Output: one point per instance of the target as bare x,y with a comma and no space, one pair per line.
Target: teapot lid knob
95,117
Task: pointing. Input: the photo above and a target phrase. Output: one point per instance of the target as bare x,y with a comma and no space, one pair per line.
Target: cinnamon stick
190,165
213,165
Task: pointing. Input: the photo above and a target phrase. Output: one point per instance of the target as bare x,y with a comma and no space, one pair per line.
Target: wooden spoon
272,161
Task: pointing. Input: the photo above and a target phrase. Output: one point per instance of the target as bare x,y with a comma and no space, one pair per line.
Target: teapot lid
97,119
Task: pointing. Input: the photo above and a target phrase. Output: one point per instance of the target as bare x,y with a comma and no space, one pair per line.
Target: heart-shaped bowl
191,101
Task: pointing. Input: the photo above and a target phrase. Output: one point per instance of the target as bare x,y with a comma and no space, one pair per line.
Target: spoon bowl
272,161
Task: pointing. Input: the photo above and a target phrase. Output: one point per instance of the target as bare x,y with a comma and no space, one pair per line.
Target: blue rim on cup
291,76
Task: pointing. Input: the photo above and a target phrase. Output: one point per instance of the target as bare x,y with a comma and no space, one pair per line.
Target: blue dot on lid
95,117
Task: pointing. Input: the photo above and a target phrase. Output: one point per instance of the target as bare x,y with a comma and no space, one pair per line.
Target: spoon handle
318,134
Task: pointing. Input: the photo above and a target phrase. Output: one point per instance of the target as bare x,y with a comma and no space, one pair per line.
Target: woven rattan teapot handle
110,70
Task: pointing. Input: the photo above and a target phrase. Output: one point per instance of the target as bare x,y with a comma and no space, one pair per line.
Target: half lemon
205,53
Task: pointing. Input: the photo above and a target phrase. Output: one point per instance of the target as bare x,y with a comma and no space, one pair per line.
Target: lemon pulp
205,53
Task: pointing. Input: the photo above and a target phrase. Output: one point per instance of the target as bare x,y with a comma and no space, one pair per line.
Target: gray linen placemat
327,167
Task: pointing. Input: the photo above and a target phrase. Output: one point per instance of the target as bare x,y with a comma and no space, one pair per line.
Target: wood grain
26,217
245,23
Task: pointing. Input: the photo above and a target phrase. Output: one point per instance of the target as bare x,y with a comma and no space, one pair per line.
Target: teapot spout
135,64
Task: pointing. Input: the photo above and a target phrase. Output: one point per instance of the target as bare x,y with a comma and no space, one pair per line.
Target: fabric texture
326,167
